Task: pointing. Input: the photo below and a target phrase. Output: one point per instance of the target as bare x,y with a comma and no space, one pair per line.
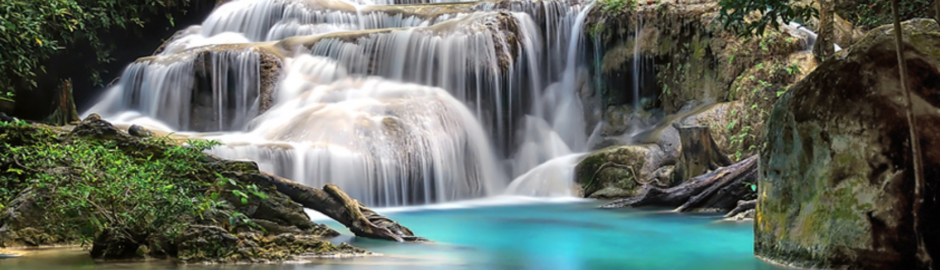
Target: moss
623,168
835,188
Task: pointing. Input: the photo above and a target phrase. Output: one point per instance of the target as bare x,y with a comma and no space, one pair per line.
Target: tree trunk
919,184
713,190
824,46
64,105
936,9
336,204
699,154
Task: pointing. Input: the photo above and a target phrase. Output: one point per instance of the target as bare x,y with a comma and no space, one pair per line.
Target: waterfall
383,142
396,103
211,91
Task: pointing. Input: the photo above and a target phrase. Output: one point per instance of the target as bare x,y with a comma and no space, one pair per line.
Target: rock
139,131
663,175
9,254
22,223
205,243
694,61
6,118
7,107
214,244
618,170
116,245
836,182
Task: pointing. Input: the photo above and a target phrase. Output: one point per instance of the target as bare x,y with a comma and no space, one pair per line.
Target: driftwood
743,206
336,204
699,155
720,189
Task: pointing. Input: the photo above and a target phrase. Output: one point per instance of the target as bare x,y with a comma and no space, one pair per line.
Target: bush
32,31
97,186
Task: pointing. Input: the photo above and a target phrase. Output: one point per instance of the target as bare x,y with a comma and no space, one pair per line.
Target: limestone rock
836,182
618,171
694,61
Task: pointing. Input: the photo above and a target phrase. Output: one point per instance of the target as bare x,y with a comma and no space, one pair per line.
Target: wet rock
694,61
618,171
836,182
214,244
139,131
22,222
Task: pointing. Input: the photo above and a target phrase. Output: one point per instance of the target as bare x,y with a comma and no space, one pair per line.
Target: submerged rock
836,182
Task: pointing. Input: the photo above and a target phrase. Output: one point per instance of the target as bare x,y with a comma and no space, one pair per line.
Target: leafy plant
97,186
874,13
8,96
733,15
33,31
618,5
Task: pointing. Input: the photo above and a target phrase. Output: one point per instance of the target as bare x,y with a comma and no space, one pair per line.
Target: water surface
566,236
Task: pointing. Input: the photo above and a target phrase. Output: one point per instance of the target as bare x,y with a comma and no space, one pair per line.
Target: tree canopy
33,31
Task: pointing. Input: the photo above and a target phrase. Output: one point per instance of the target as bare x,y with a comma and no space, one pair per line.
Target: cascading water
397,104
384,142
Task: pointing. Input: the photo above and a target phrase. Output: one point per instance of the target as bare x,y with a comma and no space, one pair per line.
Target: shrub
95,186
32,31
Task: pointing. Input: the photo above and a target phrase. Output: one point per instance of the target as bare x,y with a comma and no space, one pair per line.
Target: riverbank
135,198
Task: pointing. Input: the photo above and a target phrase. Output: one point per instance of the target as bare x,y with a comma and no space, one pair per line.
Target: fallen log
336,204
743,206
719,189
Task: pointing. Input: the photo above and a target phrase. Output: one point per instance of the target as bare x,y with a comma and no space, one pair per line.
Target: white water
450,105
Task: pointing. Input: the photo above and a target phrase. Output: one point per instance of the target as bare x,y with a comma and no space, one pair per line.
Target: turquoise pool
563,236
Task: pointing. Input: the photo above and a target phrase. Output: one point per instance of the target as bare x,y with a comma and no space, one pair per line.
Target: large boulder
837,188
619,171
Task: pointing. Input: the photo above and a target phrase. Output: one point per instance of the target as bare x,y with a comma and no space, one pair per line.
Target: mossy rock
836,186
618,172
693,59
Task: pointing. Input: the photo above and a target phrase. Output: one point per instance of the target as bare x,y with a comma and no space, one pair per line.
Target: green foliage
734,14
793,68
752,187
610,6
97,186
32,31
874,13
8,96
